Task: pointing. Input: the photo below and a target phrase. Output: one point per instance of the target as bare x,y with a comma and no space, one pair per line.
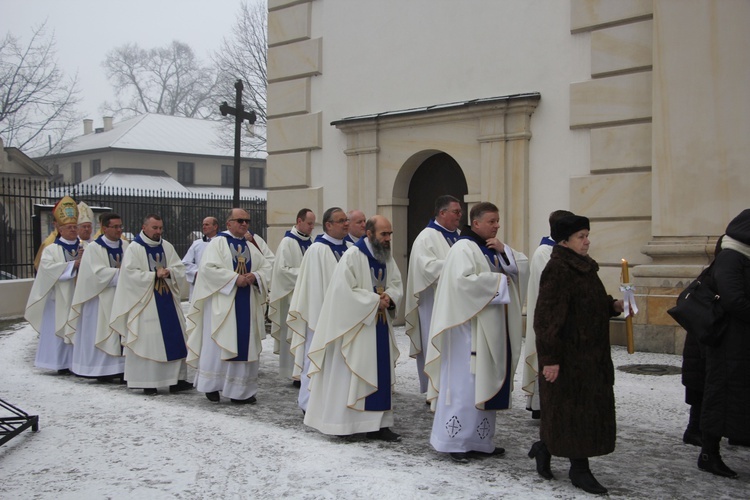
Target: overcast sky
85,30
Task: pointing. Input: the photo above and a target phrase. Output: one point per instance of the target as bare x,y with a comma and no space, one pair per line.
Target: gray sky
85,30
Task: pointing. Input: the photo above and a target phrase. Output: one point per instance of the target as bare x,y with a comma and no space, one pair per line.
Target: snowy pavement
105,441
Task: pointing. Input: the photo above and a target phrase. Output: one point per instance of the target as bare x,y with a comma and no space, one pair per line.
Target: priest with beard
475,338
307,301
288,260
147,313
97,351
52,292
226,323
353,353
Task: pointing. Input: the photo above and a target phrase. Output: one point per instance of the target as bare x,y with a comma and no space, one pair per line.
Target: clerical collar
442,226
208,238
467,233
229,233
299,234
110,243
68,242
148,241
369,245
546,240
330,238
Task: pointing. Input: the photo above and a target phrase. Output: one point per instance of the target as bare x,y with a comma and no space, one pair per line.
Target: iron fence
21,199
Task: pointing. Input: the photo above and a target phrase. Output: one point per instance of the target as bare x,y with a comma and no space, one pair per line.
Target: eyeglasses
118,226
342,221
240,221
457,212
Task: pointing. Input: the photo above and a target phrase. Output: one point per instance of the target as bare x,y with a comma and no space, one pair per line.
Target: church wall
605,69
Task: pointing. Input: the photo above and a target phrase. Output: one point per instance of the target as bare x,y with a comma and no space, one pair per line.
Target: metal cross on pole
238,111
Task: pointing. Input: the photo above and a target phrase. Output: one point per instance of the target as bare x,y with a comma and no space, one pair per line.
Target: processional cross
238,111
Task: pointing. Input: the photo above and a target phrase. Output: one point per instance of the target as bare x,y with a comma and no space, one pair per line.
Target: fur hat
65,211
563,228
85,214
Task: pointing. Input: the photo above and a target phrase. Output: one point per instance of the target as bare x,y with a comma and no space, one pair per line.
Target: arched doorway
437,175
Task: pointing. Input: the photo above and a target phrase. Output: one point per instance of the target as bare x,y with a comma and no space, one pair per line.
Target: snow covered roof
162,133
125,179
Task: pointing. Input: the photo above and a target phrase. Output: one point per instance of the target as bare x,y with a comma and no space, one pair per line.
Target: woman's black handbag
698,310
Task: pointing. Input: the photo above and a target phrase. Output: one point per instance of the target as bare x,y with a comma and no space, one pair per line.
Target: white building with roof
195,153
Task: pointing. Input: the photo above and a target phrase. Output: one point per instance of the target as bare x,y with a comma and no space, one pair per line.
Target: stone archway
437,175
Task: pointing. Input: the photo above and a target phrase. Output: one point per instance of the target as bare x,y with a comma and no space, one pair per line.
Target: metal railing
182,214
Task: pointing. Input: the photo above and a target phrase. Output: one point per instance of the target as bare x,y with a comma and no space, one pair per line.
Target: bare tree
37,101
165,80
244,56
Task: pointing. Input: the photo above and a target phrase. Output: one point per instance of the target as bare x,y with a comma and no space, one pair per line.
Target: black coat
726,397
572,329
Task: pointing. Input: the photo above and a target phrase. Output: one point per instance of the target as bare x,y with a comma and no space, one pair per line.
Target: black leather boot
581,477
710,459
543,459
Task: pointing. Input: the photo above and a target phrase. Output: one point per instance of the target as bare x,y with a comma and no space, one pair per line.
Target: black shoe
543,459
713,463
692,437
461,458
585,480
384,434
64,371
536,414
181,385
296,383
497,452
213,396
249,401
150,392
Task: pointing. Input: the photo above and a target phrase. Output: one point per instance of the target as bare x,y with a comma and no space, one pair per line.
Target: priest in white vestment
226,322
51,294
539,260
286,265
147,313
353,352
307,300
426,260
357,221
97,351
192,258
475,338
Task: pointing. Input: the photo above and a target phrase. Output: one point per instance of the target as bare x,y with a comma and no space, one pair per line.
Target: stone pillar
701,115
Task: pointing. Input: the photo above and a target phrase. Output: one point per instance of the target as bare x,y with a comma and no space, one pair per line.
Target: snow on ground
105,441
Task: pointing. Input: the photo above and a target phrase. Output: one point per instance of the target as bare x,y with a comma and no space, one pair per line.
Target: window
227,175
257,178
96,167
76,173
186,172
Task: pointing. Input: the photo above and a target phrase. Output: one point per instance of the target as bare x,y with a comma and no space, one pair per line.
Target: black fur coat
572,329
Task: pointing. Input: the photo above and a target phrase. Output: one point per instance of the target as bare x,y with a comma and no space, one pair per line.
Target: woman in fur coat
572,337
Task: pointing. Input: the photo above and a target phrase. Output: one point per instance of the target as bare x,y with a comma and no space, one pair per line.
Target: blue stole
350,240
70,251
114,254
450,236
338,250
303,244
171,330
241,263
547,241
380,400
501,400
